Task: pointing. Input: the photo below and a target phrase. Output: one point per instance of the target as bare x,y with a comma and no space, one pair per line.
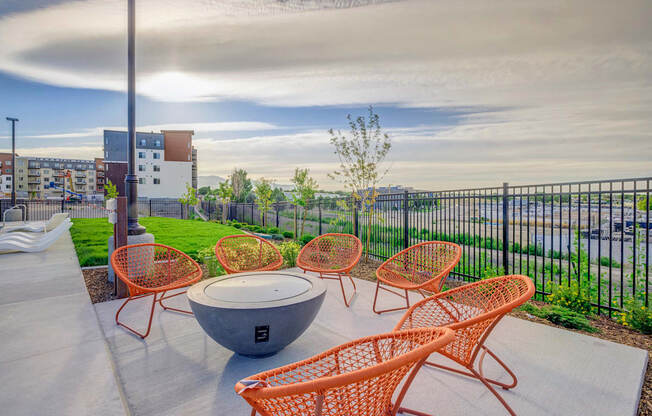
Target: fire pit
256,313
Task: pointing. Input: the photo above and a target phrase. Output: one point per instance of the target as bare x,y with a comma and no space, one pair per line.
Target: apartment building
99,175
164,162
43,178
5,175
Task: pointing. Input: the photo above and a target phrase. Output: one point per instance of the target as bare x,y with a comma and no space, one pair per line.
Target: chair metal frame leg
338,276
406,297
168,308
151,313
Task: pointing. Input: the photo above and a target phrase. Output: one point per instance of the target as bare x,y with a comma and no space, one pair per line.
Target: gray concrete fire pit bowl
256,313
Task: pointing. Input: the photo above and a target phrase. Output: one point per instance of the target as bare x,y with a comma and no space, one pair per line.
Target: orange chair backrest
241,253
424,262
472,310
333,252
146,267
356,378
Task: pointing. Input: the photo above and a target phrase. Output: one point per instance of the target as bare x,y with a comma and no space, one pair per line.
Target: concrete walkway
54,358
179,370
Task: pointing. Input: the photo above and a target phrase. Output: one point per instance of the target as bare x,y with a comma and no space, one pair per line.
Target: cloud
563,89
200,127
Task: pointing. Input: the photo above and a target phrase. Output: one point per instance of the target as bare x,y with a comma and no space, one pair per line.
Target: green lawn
90,236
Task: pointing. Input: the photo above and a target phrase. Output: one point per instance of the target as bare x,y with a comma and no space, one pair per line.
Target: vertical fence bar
319,209
405,220
355,219
505,228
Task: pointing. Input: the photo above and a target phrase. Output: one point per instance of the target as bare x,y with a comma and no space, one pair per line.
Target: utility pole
13,160
131,180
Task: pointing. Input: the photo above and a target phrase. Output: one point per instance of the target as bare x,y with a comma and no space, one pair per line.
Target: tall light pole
13,159
131,180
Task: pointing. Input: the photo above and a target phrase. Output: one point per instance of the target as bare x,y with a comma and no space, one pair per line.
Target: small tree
263,192
304,192
189,198
241,185
225,192
111,190
360,156
278,195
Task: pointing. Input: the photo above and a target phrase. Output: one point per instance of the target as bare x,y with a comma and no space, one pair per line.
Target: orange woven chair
356,378
150,269
332,255
245,253
424,266
473,311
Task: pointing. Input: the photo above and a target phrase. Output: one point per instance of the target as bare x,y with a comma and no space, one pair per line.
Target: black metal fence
41,210
595,234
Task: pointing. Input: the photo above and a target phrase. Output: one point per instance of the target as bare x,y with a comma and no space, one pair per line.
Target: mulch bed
101,291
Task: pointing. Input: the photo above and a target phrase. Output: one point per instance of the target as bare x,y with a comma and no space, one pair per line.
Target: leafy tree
241,185
263,192
189,198
278,195
304,192
360,155
205,190
225,192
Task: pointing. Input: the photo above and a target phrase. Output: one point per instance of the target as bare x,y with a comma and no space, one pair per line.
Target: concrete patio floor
54,357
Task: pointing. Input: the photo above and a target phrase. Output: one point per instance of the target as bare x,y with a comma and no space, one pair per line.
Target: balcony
80,175
80,182
33,173
33,181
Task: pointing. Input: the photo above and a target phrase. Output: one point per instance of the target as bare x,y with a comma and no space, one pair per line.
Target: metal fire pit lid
258,287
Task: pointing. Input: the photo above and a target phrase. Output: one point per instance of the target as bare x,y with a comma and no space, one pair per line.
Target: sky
472,93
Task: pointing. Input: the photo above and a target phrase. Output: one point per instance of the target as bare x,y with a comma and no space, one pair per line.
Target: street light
13,160
131,180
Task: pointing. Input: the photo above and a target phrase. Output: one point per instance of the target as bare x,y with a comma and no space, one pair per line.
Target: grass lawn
90,236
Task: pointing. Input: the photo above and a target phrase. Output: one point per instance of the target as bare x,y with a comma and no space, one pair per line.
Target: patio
55,357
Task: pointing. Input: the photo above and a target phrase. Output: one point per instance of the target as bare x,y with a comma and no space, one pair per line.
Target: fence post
406,217
150,207
319,207
506,228
63,201
252,213
276,206
355,218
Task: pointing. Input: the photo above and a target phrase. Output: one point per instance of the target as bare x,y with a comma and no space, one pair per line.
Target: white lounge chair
40,243
29,236
48,226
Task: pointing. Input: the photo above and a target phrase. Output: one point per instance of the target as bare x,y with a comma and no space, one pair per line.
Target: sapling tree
241,185
361,154
225,192
305,188
263,193
189,198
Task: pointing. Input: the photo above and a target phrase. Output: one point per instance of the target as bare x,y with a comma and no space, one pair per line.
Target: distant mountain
211,180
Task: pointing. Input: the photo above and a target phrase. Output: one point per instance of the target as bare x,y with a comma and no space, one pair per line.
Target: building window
157,181
157,168
157,155
158,143
141,168
141,155
143,142
141,181
46,179
8,162
8,170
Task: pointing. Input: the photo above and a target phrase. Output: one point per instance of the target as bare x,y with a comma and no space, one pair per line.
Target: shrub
288,234
561,316
289,250
306,238
273,230
207,256
576,297
236,225
637,316
255,228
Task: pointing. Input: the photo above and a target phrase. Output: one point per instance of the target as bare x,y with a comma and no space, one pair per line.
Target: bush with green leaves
306,238
289,250
207,256
273,230
574,296
288,234
561,316
637,316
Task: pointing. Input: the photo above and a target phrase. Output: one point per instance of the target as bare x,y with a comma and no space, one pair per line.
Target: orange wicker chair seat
356,378
245,253
473,311
422,267
333,256
150,270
